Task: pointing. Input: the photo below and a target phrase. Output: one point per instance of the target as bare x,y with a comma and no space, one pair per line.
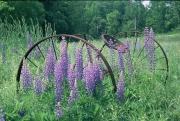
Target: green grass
149,100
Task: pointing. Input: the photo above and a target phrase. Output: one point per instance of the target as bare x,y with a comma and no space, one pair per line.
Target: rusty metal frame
136,35
72,36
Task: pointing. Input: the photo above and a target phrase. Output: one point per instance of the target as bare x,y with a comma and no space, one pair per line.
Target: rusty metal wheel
55,42
143,65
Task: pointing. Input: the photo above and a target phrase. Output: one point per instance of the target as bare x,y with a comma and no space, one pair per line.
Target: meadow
145,99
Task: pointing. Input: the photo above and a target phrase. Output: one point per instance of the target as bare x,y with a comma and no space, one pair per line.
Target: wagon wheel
55,42
141,65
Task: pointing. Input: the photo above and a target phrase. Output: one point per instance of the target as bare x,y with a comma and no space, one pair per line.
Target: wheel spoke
40,51
33,63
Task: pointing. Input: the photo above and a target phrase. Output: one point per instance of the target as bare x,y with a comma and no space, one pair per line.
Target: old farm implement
147,57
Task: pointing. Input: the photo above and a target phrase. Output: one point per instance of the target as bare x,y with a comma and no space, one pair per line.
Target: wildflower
73,93
79,62
26,77
90,83
58,77
37,53
74,50
48,69
120,61
64,57
111,52
37,83
58,110
120,88
71,76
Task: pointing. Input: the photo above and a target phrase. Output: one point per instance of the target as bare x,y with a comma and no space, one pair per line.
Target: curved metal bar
66,35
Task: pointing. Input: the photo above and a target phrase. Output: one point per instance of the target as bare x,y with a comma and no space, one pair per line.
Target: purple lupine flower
74,50
166,48
96,71
79,62
111,52
58,110
138,45
26,77
89,51
90,83
128,59
37,83
64,57
151,51
48,69
3,53
85,68
58,77
73,94
120,61
71,76
146,38
120,88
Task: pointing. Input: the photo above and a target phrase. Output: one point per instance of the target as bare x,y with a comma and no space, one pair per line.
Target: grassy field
149,100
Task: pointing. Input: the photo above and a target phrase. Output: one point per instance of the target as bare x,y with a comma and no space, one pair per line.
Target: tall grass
149,100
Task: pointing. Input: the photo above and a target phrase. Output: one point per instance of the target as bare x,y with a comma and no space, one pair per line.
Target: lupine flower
58,110
89,51
111,52
21,112
96,71
85,68
48,69
146,38
138,45
128,59
74,50
120,88
26,77
151,51
71,76
2,115
90,83
79,62
37,83
73,94
3,53
58,77
64,57
120,61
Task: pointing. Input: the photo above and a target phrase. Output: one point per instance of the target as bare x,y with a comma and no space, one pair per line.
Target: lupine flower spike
26,77
120,61
73,94
120,88
90,84
38,87
58,110
58,78
79,62
71,76
111,52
